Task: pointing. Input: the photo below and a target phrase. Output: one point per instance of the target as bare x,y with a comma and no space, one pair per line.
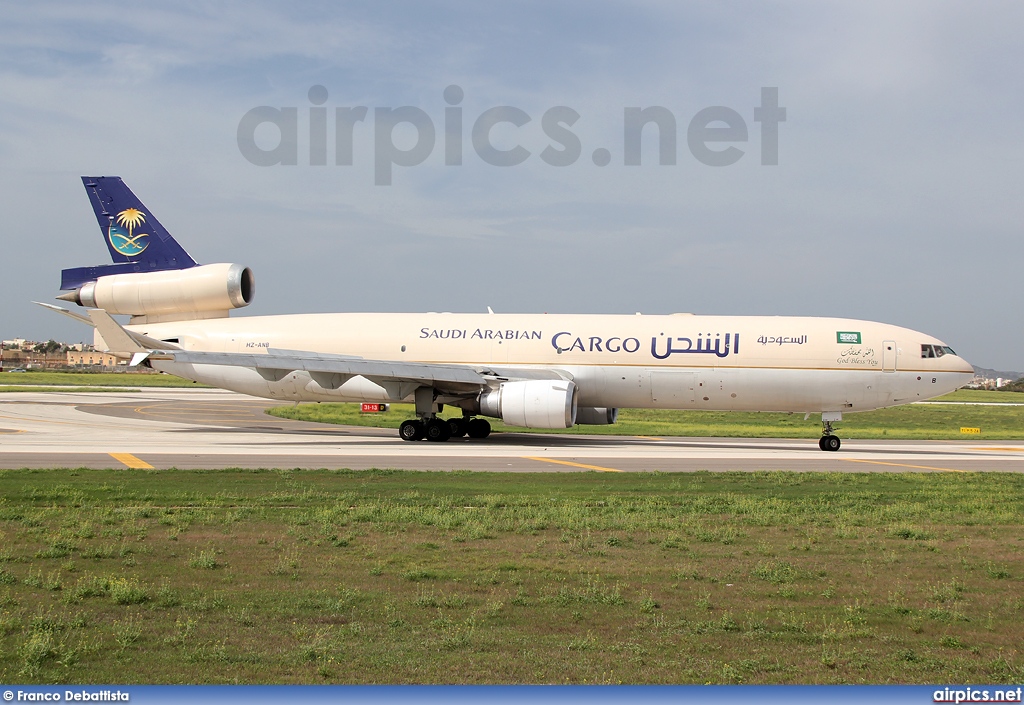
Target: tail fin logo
122,235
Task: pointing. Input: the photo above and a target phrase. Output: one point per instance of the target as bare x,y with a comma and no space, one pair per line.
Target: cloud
894,198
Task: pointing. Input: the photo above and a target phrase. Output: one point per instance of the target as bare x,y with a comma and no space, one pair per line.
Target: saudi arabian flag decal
848,337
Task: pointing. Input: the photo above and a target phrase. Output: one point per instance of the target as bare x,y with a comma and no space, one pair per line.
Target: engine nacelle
206,289
535,403
596,416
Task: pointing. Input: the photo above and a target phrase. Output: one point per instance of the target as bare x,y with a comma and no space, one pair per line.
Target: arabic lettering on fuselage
702,346
712,344
780,340
479,334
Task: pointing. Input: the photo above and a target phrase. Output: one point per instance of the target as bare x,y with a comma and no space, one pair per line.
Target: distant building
91,358
10,359
31,360
980,382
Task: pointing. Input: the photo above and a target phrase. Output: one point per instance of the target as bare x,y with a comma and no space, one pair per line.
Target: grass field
915,421
94,379
397,577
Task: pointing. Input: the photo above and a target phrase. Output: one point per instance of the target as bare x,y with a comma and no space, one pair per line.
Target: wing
332,371
328,370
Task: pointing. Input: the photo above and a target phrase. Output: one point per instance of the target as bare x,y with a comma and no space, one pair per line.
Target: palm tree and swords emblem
128,243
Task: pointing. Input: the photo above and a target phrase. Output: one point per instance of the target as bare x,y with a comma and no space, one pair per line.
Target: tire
478,428
832,443
457,427
821,443
438,431
411,430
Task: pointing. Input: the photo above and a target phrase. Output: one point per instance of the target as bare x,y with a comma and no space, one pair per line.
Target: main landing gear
440,430
430,426
829,441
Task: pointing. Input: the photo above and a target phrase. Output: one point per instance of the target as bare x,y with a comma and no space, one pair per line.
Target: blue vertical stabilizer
135,238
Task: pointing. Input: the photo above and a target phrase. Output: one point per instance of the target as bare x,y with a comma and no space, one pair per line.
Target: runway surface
198,428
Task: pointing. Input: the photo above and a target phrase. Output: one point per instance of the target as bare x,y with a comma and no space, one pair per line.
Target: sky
894,197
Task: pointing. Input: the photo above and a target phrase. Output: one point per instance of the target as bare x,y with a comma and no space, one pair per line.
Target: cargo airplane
533,371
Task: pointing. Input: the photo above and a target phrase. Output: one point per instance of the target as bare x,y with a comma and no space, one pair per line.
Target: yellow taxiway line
901,465
572,464
131,461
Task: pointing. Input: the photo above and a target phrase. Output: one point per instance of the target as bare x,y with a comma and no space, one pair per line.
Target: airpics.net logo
714,135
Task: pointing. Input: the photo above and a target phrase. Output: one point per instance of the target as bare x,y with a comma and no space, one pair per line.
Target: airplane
530,370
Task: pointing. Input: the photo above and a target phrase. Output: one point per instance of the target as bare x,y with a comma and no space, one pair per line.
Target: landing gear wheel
411,430
457,427
438,430
478,428
829,441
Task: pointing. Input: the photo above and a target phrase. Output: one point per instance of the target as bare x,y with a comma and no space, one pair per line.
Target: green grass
984,395
94,379
913,421
270,576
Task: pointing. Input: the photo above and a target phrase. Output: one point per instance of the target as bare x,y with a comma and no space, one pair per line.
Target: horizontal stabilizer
64,312
119,340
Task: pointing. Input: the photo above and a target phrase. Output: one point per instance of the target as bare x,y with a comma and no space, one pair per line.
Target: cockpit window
936,350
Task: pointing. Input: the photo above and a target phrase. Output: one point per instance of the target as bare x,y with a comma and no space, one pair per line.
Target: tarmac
206,428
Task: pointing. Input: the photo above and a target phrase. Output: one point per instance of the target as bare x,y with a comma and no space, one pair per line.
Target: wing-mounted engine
535,403
596,416
206,291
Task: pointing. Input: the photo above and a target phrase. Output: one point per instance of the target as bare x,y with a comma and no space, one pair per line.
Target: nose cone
963,371
963,366
952,362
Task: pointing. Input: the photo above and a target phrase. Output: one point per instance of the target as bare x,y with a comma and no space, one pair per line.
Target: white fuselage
679,361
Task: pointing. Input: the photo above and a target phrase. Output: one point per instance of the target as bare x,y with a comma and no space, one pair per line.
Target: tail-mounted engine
206,291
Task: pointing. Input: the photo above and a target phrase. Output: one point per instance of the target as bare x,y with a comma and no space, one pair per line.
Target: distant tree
1017,386
49,347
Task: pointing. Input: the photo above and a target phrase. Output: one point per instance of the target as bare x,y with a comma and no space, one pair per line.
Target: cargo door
673,389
